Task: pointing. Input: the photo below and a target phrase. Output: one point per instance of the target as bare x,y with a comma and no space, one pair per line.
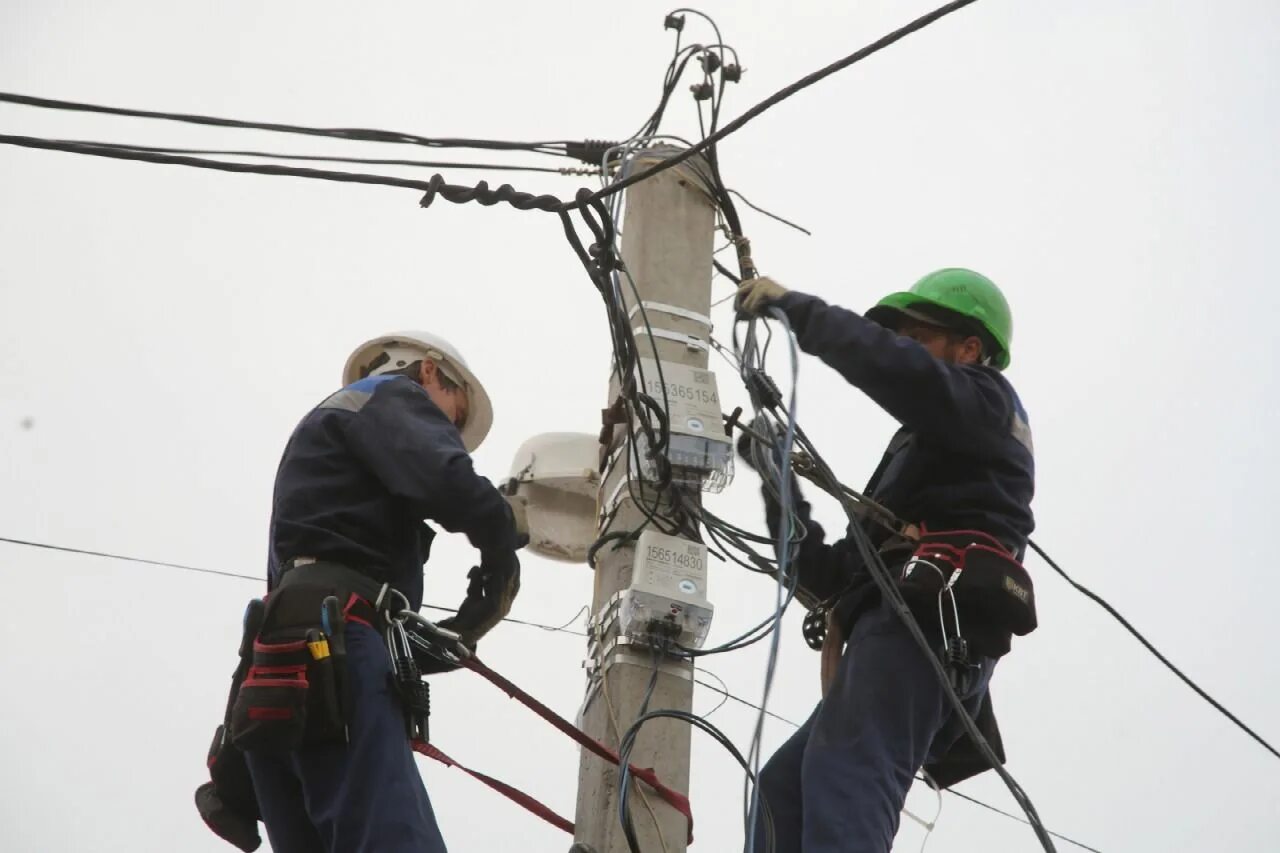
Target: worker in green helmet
959,477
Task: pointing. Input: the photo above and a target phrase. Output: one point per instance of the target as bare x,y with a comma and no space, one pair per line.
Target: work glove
494,585
757,294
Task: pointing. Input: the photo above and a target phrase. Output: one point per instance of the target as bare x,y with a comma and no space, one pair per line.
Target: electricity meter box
700,452
554,478
667,599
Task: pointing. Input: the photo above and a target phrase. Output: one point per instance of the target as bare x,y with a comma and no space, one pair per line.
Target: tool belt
970,574
966,583
294,692
290,687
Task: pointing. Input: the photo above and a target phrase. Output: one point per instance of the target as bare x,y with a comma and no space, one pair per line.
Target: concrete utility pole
667,241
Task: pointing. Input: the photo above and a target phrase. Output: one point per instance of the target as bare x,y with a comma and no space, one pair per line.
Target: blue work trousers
839,783
365,796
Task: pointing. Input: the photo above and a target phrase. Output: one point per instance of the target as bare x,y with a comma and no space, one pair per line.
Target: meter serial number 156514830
674,558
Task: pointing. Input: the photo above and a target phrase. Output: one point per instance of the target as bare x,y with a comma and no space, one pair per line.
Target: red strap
514,794
675,799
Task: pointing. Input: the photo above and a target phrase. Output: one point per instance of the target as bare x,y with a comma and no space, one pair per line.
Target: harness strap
673,798
514,794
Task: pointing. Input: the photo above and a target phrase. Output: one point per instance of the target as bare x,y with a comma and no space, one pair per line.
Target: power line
1097,599
256,578
350,133
781,95
435,187
322,158
1021,819
128,559
94,150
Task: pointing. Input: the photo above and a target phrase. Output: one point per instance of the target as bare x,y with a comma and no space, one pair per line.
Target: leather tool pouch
993,592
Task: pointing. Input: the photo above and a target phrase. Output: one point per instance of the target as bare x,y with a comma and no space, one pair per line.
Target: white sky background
1114,169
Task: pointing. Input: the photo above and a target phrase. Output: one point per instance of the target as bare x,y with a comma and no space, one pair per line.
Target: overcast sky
1111,165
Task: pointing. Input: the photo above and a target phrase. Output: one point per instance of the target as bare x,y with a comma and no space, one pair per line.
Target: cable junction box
667,599
700,452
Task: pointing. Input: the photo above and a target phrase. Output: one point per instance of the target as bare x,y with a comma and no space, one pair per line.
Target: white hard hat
404,348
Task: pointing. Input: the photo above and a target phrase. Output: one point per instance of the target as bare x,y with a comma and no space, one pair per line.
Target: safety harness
971,594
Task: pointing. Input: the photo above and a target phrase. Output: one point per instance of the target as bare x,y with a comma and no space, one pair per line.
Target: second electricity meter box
667,599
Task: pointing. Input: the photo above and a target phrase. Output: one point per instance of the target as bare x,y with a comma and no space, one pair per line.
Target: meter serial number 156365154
706,396
674,558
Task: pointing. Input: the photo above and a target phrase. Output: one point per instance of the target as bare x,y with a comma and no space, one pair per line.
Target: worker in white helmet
360,475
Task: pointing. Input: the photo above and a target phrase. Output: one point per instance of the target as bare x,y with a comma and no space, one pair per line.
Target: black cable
1097,599
724,271
723,690
369,161
433,188
1011,816
781,95
734,697
628,743
563,629
350,133
770,214
624,791
128,559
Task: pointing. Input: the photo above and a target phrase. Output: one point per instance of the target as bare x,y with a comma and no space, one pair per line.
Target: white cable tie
679,337
671,311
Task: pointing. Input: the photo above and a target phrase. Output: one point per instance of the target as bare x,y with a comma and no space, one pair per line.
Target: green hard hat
962,295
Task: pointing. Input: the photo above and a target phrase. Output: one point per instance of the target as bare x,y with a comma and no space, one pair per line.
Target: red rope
674,798
514,794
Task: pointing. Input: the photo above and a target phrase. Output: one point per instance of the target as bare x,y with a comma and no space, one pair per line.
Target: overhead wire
319,158
255,578
97,150
1019,819
1115,614
555,147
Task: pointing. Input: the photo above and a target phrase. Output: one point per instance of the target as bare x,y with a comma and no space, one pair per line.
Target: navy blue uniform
360,473
962,460
364,469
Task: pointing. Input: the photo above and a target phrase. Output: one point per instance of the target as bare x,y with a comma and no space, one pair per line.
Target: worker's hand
757,294
495,583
